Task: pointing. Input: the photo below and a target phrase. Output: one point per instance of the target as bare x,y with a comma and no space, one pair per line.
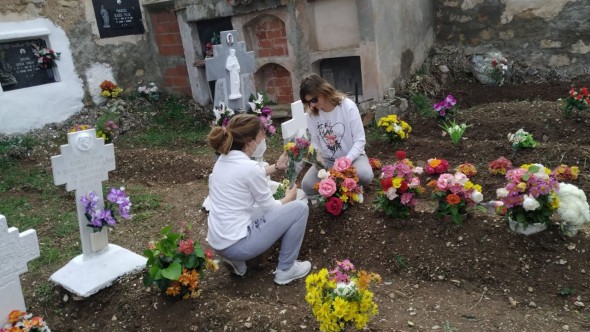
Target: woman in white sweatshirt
245,220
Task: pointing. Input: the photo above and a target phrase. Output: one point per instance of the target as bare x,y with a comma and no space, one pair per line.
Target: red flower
386,183
400,154
334,206
403,187
453,199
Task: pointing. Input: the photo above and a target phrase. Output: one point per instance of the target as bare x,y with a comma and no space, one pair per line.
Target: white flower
259,98
501,192
345,289
391,194
476,196
418,170
530,203
323,174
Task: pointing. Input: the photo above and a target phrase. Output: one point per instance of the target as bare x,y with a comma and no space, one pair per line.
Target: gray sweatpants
288,221
363,170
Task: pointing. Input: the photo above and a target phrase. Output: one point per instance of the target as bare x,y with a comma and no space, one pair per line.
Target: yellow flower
339,307
477,187
397,182
288,146
389,129
521,186
553,201
575,171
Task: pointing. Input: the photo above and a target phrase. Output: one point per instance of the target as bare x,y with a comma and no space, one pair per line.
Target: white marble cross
83,165
297,126
215,69
15,251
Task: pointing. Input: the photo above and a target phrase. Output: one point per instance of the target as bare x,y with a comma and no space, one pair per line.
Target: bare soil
437,275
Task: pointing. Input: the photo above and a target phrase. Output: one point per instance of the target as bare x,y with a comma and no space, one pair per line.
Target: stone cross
15,251
297,126
83,165
216,70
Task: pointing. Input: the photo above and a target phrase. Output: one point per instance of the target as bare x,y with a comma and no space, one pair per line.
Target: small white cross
297,126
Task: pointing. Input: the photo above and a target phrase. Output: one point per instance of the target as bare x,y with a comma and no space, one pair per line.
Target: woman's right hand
290,195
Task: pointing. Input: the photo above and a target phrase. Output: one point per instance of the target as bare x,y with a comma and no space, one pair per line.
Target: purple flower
89,202
450,100
266,111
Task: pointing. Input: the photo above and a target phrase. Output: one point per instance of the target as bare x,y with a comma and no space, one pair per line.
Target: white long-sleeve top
235,184
337,133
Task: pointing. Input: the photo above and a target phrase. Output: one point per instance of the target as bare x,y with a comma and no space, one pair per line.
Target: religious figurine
105,17
233,66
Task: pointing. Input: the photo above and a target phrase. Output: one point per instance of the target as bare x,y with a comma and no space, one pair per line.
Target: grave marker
18,65
15,251
297,126
82,166
116,18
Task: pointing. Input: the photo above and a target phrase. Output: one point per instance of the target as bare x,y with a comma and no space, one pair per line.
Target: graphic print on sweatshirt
332,135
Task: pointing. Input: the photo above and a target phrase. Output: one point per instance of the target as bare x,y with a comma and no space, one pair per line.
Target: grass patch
423,105
66,224
53,256
16,147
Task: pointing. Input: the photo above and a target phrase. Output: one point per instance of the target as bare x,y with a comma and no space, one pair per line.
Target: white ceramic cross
297,126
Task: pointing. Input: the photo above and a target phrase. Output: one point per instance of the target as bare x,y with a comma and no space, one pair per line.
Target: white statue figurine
233,66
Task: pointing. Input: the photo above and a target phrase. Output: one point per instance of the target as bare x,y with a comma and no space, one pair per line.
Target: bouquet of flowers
263,111
455,193
522,140
566,173
175,264
149,91
577,100
395,129
99,218
495,66
45,57
530,196
445,107
499,166
110,89
222,115
20,321
298,151
341,297
107,130
454,130
467,169
399,187
339,187
436,166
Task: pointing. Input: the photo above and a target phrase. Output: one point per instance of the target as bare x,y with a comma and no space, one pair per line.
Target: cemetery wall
549,39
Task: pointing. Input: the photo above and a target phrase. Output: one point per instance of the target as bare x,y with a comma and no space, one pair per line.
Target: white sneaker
236,267
298,270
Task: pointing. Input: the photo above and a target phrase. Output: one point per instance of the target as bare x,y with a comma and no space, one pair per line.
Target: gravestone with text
83,165
116,18
15,251
19,67
228,56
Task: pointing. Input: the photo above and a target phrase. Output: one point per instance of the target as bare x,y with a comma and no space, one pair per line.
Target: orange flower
173,290
453,199
15,315
434,162
364,279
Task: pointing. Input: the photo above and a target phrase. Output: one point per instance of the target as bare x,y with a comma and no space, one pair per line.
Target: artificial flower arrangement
99,218
45,57
176,263
395,129
577,100
445,107
436,166
499,166
566,173
110,89
341,297
108,130
222,115
149,91
400,185
522,139
467,169
298,151
338,186
21,321
455,193
263,111
530,196
454,130
495,66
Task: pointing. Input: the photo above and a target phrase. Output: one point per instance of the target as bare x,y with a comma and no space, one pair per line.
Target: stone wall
546,39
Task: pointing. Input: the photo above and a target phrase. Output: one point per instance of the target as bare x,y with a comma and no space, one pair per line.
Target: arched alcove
276,81
266,36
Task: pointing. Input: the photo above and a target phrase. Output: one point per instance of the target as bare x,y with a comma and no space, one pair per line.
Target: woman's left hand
283,161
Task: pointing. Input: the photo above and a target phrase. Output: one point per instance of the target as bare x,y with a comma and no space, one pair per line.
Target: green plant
567,291
175,264
401,261
454,130
17,147
577,100
522,140
423,105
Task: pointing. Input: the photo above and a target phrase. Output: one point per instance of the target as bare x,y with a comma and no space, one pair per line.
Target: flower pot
526,229
99,240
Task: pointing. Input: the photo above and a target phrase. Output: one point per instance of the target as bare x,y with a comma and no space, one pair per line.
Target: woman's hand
283,161
290,195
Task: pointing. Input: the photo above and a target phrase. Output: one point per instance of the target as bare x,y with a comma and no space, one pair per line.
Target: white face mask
260,149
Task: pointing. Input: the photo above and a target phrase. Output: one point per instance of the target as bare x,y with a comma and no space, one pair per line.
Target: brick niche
271,37
276,81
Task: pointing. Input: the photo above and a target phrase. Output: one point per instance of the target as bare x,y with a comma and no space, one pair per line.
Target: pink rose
349,184
327,187
444,181
461,178
341,164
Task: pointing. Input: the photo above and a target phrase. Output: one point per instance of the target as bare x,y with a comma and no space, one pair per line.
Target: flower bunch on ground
341,297
436,166
467,169
522,140
454,130
45,57
175,264
445,107
499,166
99,218
149,91
110,89
577,100
20,321
495,66
338,187
395,129
222,115
399,187
530,196
455,193
566,173
108,130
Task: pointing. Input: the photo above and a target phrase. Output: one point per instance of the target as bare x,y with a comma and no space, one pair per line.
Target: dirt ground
436,275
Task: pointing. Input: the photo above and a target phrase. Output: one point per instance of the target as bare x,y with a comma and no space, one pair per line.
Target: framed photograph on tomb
116,18
19,66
